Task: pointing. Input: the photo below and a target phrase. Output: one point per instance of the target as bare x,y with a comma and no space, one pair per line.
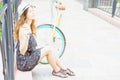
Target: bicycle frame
57,18
52,35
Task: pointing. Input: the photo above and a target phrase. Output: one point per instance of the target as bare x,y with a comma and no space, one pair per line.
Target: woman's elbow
23,50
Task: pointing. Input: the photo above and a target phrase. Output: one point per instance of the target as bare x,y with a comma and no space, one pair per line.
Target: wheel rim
59,46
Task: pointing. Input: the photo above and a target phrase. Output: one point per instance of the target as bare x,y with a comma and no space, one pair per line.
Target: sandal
69,72
60,73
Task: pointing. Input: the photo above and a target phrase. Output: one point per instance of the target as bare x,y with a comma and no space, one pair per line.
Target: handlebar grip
60,6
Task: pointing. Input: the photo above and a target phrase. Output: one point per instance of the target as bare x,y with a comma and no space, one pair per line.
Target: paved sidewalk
106,16
93,45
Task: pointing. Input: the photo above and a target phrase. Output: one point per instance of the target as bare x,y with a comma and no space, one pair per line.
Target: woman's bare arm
23,39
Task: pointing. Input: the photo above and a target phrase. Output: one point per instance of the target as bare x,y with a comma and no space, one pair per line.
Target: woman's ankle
56,70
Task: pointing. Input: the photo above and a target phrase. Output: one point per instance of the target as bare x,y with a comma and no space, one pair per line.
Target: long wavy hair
23,19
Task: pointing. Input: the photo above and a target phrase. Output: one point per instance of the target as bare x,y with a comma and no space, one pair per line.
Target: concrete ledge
23,75
106,16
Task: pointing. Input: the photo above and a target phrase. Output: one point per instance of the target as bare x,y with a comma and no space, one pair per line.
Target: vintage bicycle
50,34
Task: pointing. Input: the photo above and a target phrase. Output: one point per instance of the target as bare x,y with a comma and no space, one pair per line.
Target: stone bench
23,75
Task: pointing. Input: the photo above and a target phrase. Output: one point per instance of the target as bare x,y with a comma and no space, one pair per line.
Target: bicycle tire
42,40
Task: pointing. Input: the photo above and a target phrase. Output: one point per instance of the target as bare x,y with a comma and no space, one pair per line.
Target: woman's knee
48,50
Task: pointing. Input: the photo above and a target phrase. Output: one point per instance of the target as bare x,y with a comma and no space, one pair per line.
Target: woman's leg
55,63
49,54
59,64
52,55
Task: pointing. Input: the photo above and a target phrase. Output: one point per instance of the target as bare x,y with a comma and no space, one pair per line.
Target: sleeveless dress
30,59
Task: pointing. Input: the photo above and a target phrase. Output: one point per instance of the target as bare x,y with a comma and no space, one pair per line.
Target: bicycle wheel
58,42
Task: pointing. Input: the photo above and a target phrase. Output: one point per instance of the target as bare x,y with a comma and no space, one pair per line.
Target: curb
105,16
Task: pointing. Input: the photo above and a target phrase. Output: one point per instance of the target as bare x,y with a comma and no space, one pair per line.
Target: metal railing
7,42
110,6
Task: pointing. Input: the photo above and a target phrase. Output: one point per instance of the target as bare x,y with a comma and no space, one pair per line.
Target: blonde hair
23,19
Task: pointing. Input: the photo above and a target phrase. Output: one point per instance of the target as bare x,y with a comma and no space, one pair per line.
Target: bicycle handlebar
59,6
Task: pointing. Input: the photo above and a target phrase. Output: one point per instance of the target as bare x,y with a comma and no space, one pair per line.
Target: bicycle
50,34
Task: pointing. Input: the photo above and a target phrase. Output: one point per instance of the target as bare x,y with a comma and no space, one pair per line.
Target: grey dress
28,61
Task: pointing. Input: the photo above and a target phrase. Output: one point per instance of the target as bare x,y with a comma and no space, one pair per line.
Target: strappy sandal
69,72
60,74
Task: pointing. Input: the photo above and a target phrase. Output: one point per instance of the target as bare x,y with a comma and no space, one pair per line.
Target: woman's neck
29,21
27,26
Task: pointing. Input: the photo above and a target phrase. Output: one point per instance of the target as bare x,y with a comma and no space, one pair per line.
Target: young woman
27,56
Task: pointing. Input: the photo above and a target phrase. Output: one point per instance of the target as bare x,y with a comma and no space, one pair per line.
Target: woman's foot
60,73
69,72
